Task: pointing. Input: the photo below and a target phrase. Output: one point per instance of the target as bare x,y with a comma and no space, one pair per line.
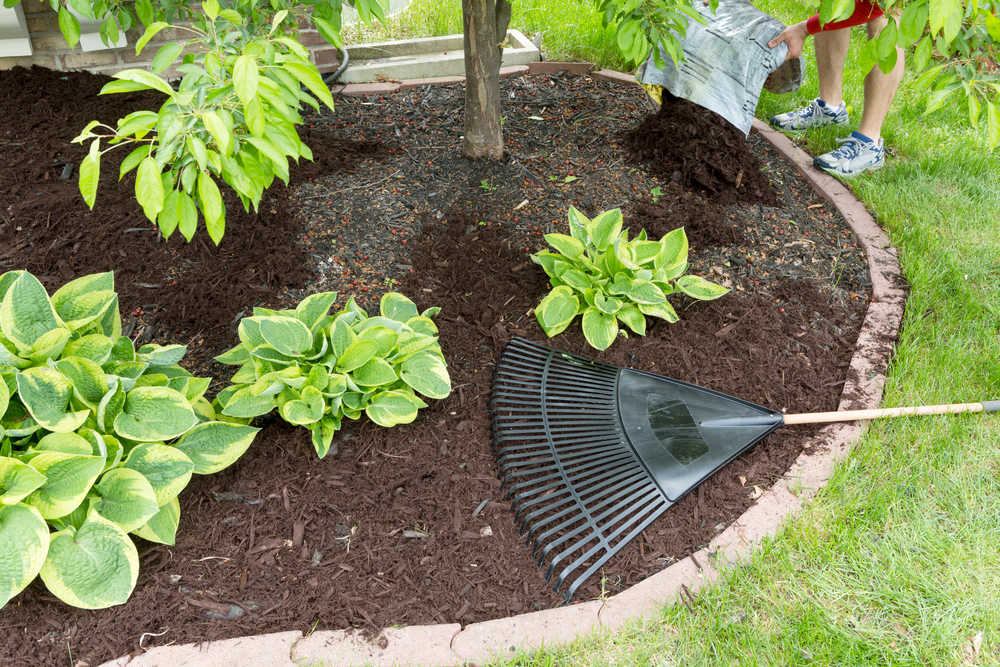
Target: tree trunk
485,27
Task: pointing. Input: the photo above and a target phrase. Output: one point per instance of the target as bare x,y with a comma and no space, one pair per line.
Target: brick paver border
450,645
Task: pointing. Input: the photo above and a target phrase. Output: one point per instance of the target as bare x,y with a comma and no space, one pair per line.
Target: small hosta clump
598,273
317,369
96,441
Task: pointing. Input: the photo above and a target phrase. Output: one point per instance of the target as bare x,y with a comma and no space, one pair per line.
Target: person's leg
831,52
880,88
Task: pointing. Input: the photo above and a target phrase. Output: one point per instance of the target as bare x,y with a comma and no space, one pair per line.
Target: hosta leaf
214,446
397,307
244,404
167,469
154,413
93,567
389,408
236,356
557,310
49,346
662,310
673,250
87,378
65,443
633,319
356,355
646,292
342,336
599,328
312,309
249,332
699,288
427,374
68,479
96,347
605,228
287,335
162,526
127,498
609,306
162,355
26,313
385,337
565,245
374,373
46,393
411,342
307,410
17,480
24,541
573,277
423,325
578,223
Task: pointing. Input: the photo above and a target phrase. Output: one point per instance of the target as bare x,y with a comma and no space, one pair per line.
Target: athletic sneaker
858,154
816,114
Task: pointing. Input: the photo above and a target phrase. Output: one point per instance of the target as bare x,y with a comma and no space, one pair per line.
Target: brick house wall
50,50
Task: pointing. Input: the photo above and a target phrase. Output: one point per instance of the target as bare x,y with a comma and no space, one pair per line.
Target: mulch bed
392,529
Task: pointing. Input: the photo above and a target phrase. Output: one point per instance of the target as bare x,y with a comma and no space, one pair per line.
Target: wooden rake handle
865,415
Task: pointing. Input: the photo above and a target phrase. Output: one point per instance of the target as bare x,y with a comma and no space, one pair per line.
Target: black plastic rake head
590,454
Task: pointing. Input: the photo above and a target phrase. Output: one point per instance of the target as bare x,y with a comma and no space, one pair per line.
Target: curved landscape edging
451,645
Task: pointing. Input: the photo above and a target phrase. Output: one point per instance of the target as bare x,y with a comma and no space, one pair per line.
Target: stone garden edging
451,645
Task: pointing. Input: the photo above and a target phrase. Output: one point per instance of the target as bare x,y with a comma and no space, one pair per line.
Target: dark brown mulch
391,529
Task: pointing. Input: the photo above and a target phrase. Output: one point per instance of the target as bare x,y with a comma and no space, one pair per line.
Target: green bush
600,274
96,441
317,368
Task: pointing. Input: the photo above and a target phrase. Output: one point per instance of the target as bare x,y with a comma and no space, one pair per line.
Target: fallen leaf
757,492
972,647
743,480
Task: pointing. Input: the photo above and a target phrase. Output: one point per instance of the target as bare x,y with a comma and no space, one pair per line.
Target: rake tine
655,509
524,504
641,485
646,487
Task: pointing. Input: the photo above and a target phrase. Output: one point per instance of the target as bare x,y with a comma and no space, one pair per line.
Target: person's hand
794,36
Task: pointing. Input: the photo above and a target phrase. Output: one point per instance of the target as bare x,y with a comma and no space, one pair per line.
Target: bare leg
879,88
831,52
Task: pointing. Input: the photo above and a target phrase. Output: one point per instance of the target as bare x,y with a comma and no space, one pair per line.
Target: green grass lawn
897,562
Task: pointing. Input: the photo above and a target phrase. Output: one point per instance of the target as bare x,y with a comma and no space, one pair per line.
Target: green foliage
96,440
317,369
232,118
598,273
643,23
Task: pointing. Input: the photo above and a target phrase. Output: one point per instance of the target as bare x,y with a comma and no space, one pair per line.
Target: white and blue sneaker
817,113
857,155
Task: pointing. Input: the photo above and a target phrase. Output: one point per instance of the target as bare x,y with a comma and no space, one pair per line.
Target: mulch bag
727,63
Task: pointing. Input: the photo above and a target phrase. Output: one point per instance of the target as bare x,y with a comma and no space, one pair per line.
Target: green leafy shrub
317,369
96,441
598,273
232,118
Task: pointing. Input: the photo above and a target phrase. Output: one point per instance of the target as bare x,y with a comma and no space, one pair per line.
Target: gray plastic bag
727,62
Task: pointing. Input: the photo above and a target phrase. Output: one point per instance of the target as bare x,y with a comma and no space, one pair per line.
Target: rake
590,454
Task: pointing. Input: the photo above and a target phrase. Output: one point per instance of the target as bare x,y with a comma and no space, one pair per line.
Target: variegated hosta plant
96,441
317,368
598,273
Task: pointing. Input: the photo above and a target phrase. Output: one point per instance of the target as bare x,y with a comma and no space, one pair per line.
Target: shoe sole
776,126
833,170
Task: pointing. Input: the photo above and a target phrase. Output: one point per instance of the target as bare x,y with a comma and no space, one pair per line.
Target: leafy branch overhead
96,441
232,117
599,274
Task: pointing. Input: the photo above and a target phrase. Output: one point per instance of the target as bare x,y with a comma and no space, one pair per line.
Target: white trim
14,39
